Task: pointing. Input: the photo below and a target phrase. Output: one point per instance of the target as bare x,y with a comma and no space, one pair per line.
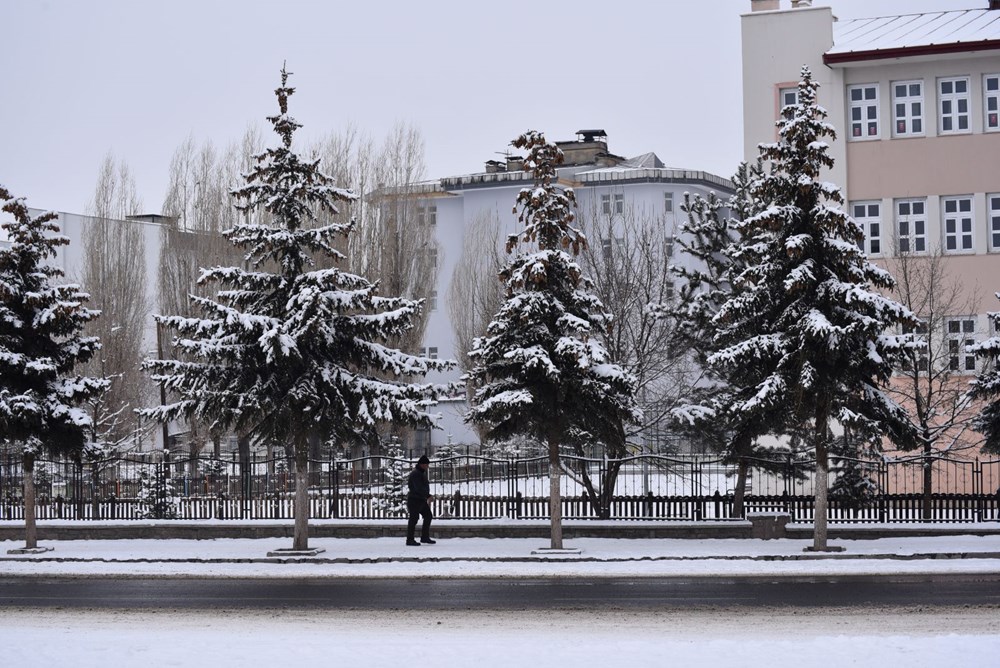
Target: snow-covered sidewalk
505,557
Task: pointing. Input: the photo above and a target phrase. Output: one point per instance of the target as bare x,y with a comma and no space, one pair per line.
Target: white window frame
668,245
910,115
991,103
613,204
993,220
668,202
960,332
432,300
871,222
911,227
867,108
784,100
958,224
951,104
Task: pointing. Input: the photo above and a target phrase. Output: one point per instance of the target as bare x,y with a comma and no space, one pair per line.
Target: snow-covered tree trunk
30,525
555,495
300,539
739,493
821,484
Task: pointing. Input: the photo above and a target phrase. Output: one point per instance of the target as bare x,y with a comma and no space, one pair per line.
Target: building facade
606,185
914,100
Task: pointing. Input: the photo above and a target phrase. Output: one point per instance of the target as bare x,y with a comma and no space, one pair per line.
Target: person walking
418,503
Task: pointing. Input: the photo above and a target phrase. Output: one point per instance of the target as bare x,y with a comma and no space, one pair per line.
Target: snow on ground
506,557
451,639
773,637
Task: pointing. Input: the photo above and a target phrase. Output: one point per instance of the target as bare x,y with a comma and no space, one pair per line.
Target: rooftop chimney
994,4
796,4
763,5
494,166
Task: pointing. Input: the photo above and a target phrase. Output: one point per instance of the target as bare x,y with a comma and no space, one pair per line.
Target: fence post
78,489
336,491
518,504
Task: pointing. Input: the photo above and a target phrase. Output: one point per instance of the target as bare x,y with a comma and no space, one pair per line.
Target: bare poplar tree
629,260
394,241
931,385
200,208
475,293
114,273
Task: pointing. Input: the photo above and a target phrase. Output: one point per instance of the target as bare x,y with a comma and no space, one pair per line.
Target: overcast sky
81,78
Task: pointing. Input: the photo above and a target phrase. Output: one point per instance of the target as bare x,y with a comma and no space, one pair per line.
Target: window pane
968,326
946,87
950,206
917,126
856,114
965,205
870,93
993,83
918,208
963,122
961,86
919,245
876,230
904,210
914,90
856,94
901,91
859,210
873,208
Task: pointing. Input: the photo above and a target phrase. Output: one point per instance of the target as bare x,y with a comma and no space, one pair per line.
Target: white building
603,183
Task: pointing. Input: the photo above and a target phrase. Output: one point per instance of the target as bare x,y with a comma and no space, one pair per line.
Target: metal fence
471,487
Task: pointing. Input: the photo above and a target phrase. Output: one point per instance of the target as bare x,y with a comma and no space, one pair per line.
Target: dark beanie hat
423,460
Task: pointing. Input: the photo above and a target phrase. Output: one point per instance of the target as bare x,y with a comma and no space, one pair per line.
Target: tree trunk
30,529
928,469
821,484
301,536
555,502
739,493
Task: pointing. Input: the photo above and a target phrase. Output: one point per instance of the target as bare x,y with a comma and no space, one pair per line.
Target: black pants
418,508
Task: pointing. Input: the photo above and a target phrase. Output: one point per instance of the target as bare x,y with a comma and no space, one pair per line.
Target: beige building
914,99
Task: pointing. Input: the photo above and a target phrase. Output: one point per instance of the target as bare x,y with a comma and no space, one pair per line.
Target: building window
869,216
961,334
993,204
668,202
911,225
953,98
991,101
432,254
610,244
427,215
787,97
668,245
917,357
957,216
432,300
908,108
431,352
863,102
612,204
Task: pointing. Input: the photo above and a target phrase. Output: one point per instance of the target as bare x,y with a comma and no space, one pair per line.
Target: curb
533,559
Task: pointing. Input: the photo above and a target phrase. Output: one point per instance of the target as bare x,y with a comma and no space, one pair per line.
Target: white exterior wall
776,44
458,209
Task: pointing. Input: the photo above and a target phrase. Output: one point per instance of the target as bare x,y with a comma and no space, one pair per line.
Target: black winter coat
420,487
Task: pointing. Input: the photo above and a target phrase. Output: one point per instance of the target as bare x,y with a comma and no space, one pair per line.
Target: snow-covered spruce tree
712,240
986,388
157,496
541,370
287,353
806,331
42,397
391,500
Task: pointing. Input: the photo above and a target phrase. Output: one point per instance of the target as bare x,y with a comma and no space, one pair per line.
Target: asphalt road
509,594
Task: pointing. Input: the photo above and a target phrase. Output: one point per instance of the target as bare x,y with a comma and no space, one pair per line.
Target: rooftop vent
591,135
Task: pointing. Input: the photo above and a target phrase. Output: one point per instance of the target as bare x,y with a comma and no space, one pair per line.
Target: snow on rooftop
969,26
